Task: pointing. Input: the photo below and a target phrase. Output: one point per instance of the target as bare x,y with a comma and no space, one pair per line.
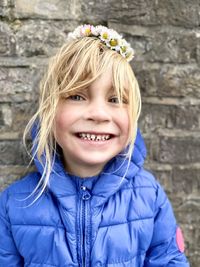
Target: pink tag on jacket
180,240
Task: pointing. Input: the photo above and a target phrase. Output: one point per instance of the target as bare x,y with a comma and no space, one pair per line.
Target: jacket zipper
84,227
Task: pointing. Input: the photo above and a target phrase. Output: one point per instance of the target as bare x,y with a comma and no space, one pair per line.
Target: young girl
90,203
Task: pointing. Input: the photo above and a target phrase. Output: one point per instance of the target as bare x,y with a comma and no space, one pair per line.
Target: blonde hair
76,65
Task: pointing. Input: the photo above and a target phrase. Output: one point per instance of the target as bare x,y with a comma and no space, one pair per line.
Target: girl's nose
98,112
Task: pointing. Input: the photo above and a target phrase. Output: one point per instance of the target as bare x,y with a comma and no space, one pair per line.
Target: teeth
93,137
98,137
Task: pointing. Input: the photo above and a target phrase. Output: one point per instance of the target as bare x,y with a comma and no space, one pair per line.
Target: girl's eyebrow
78,90
112,88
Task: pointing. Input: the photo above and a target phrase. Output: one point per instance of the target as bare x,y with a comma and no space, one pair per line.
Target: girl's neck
83,171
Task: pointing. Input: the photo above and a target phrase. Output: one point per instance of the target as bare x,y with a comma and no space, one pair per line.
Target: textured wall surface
166,38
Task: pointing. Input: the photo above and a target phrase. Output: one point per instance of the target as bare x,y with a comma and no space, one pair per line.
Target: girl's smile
95,140
97,137
91,127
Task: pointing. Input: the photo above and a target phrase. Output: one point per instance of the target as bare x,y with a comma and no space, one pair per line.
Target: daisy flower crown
109,37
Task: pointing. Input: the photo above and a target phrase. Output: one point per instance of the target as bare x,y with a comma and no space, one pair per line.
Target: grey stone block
7,40
41,38
15,116
168,80
18,84
186,180
185,117
183,13
9,149
52,9
179,149
95,12
4,8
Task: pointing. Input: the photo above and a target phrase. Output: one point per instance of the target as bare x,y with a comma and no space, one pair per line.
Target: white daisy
86,30
130,54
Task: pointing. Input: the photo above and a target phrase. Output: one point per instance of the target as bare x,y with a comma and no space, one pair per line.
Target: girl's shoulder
145,178
147,184
12,196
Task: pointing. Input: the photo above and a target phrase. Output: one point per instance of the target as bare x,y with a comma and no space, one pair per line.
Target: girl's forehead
107,83
107,78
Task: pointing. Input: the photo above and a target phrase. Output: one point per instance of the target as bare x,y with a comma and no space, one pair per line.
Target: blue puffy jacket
97,221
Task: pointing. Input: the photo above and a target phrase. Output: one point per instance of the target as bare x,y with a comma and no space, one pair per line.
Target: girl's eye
75,97
114,99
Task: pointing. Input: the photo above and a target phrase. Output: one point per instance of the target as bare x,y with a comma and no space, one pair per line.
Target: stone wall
166,38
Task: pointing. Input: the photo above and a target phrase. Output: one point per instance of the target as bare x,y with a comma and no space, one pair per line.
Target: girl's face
91,127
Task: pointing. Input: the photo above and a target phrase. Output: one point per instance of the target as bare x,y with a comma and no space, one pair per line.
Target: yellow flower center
87,31
113,42
105,35
123,48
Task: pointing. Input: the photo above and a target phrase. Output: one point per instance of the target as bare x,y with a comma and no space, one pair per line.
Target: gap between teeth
94,137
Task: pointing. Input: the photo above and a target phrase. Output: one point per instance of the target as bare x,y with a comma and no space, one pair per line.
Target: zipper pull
85,193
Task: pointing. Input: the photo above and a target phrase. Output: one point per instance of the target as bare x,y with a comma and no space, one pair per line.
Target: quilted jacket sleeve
167,246
9,255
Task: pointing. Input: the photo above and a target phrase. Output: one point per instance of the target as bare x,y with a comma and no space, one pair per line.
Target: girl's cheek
60,119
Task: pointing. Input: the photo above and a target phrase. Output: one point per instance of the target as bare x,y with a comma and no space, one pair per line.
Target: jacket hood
140,152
